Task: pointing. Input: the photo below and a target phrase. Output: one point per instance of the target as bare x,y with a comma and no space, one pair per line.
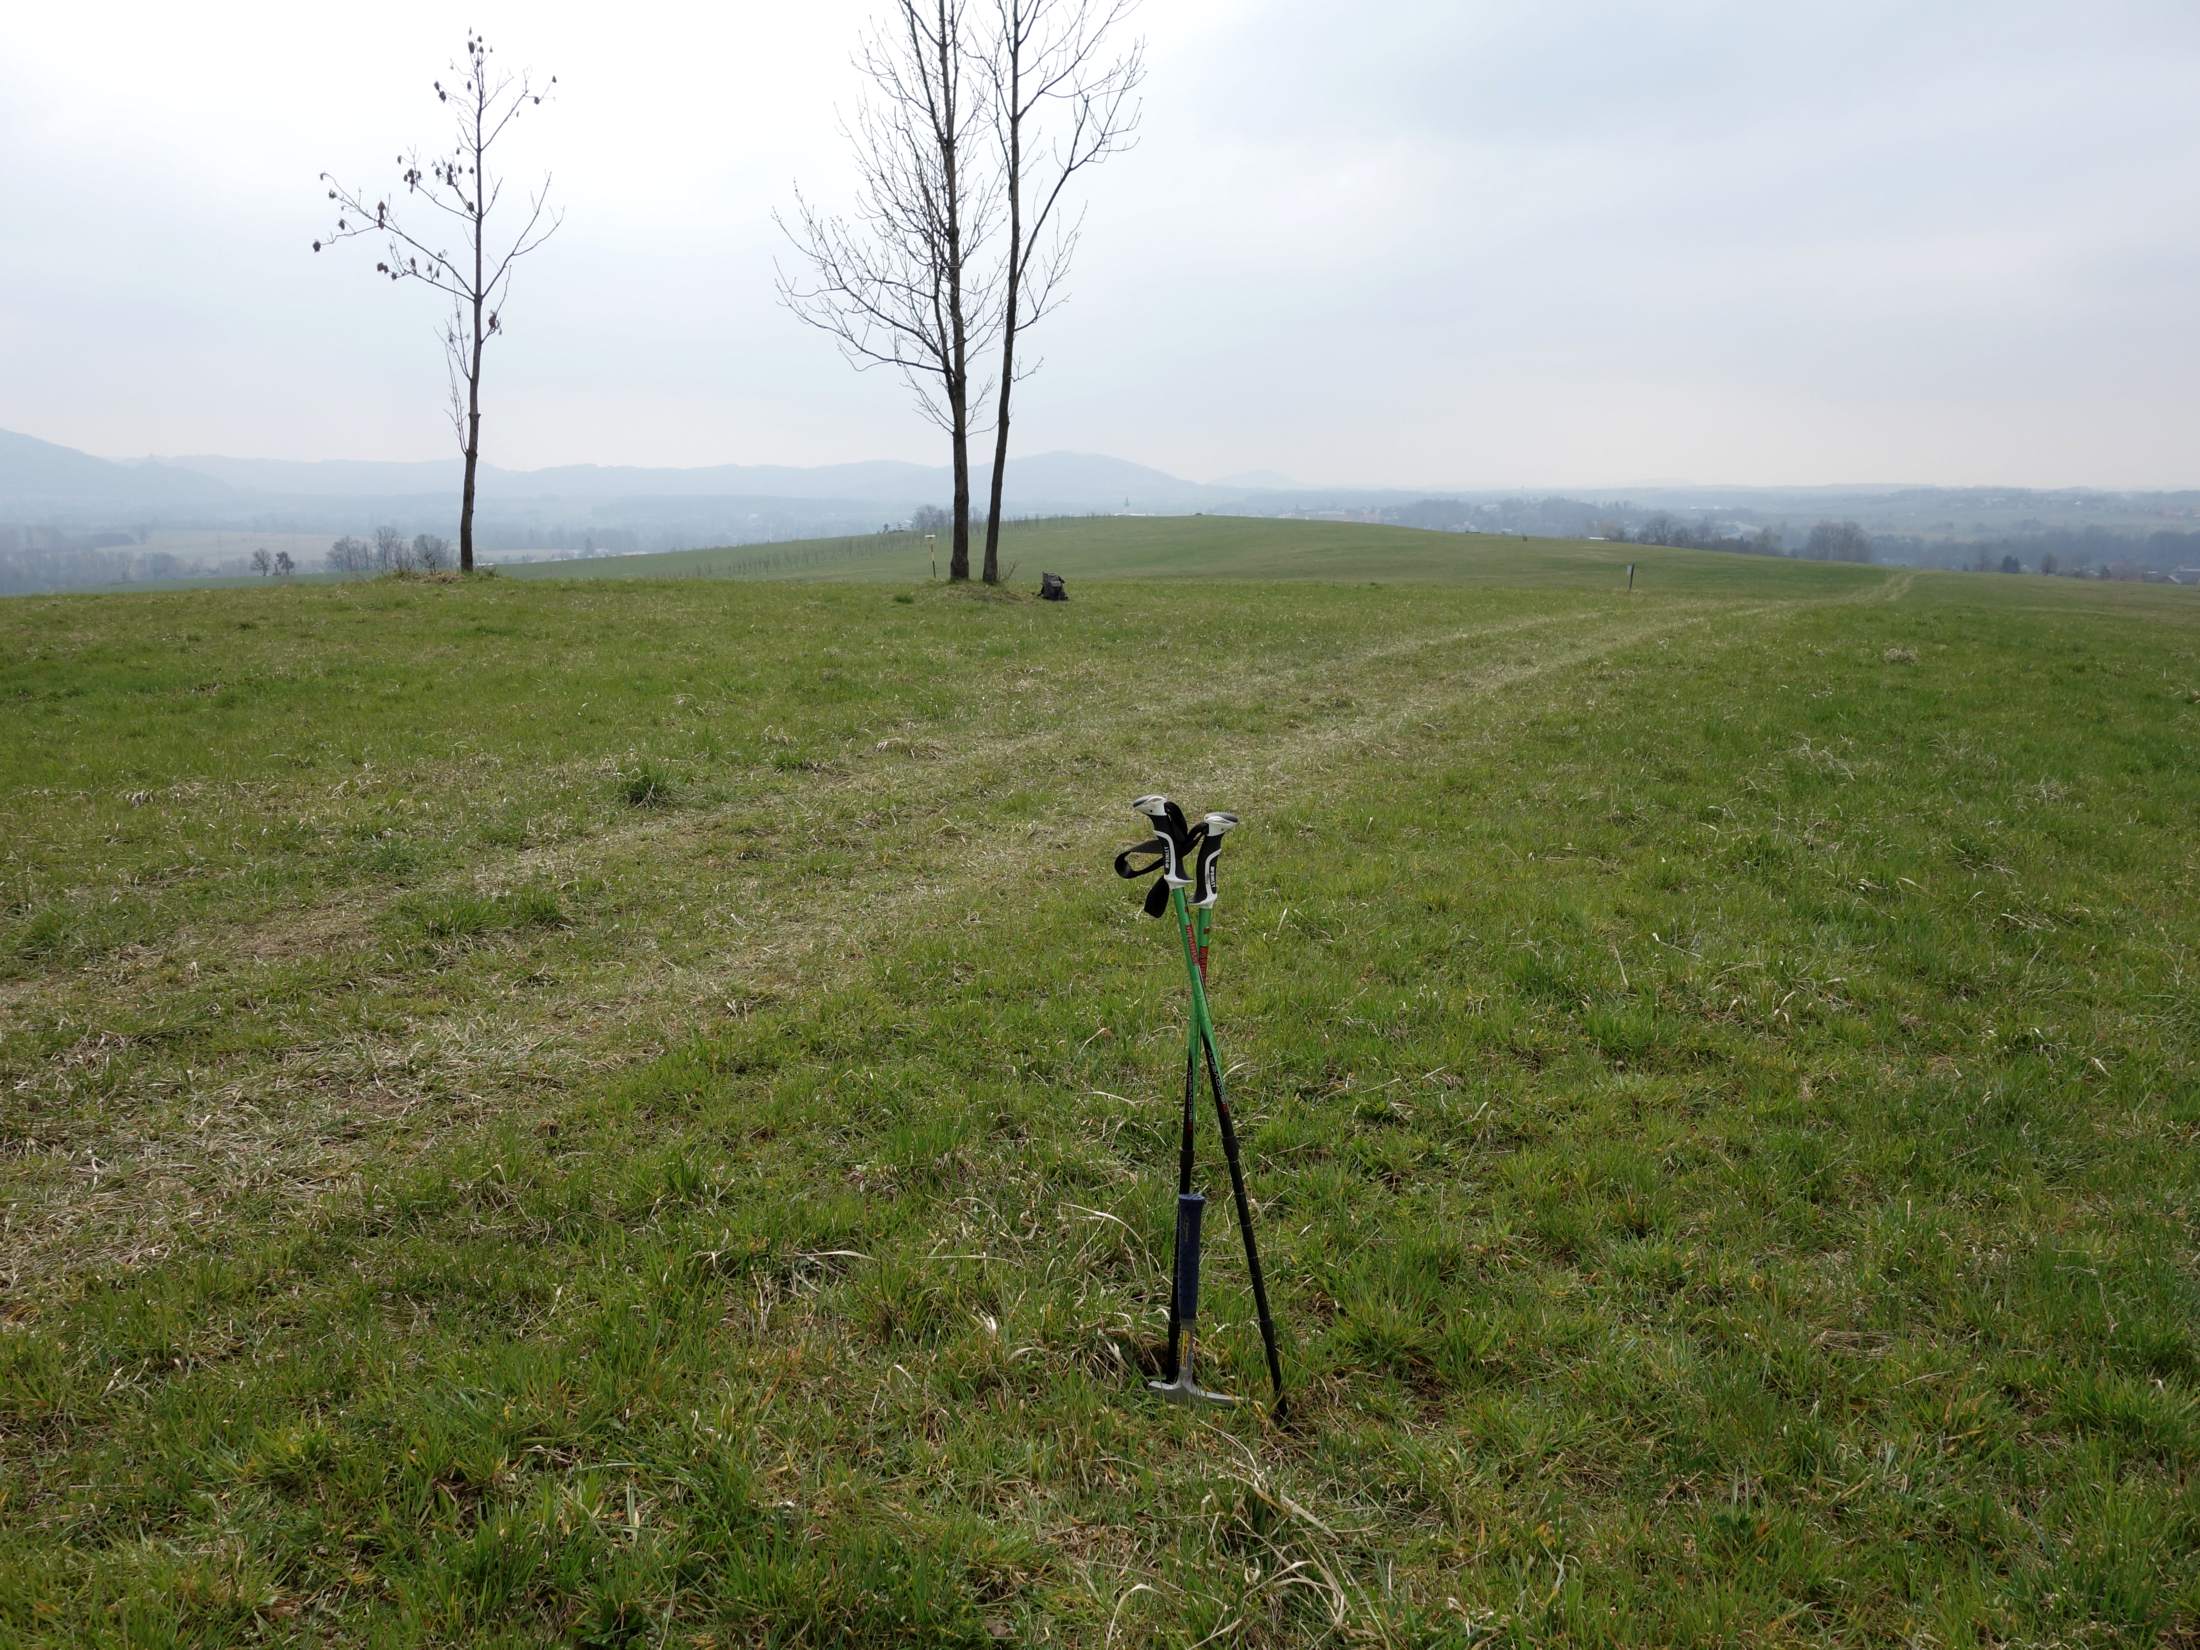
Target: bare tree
1838,541
1046,58
477,280
901,283
350,555
432,552
391,553
284,566
262,563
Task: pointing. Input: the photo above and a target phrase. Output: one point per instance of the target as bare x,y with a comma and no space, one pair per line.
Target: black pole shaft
1184,1149
1245,1219
1183,1190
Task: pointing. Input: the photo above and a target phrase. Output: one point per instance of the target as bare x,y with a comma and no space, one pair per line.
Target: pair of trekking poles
1186,854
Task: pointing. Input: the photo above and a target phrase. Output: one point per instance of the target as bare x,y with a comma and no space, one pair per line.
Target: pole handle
1175,835
1207,837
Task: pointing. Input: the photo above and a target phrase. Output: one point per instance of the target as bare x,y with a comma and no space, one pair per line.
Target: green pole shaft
1182,906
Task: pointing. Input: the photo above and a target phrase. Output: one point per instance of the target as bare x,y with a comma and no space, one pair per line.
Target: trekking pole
1206,843
1231,1156
1186,856
1207,838
1184,1172
1178,844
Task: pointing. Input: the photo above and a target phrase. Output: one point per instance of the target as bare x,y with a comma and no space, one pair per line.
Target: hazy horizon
1251,480
1443,248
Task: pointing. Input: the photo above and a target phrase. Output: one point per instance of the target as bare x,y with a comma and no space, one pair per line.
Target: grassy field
1206,547
633,1112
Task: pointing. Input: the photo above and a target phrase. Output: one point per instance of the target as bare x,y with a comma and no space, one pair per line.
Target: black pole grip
1206,850
1173,833
1205,855
1190,1206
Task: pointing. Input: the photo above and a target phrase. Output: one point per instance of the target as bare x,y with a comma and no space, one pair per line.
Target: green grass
1724,1136
1208,547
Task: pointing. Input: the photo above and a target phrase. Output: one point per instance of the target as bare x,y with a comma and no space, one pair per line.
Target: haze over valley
68,519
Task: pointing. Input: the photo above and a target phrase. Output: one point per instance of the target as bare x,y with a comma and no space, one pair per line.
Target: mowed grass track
628,1112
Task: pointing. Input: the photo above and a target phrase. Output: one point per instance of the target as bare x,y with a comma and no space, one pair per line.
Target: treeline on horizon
2034,547
44,571
2055,550
54,561
39,559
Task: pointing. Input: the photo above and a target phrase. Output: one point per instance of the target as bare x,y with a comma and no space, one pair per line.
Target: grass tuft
452,917
648,784
44,935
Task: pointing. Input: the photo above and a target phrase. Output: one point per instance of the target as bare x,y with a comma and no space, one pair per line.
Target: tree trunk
958,387
958,559
473,365
473,444
1000,456
1008,383
1015,291
466,501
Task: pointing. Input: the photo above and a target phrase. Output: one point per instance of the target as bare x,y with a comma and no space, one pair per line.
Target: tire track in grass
114,1187
348,918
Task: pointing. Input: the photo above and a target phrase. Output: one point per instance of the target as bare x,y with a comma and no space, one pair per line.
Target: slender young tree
1059,104
459,186
902,282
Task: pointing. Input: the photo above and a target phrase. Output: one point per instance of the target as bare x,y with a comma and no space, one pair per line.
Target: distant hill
1040,483
186,514
348,478
324,478
56,502
41,478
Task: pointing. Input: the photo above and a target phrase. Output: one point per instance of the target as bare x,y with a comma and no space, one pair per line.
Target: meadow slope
1202,547
634,1112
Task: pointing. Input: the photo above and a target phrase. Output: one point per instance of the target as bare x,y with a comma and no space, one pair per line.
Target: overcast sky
1410,242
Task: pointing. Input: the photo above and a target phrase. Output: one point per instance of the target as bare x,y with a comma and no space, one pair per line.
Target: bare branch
906,279
460,186
1058,106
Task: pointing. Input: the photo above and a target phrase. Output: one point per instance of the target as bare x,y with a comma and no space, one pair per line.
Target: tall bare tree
902,282
1059,104
477,279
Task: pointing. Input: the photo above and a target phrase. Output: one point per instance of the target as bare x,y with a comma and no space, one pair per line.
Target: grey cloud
1408,243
